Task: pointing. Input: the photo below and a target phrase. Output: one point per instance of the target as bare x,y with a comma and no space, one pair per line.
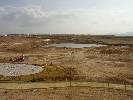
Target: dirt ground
74,93
113,63
110,63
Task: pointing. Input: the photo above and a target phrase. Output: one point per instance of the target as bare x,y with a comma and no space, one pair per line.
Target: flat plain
112,63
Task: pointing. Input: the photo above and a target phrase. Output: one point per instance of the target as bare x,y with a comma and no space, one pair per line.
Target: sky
66,16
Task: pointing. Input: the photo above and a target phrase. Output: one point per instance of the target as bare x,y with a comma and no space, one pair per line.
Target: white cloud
91,20
15,13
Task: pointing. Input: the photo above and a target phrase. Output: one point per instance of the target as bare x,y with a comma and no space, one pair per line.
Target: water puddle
74,45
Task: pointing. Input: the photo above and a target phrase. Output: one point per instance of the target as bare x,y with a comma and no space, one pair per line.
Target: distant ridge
125,34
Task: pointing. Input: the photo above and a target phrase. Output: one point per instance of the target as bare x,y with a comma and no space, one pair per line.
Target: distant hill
125,34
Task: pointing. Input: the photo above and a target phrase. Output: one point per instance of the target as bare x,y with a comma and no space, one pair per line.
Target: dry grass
100,64
111,51
23,47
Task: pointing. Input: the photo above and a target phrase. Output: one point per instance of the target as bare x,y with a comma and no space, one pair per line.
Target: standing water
74,45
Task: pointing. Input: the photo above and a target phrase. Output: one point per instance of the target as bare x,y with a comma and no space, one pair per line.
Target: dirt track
42,85
75,93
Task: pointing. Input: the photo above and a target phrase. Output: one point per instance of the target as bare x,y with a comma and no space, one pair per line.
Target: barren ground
112,63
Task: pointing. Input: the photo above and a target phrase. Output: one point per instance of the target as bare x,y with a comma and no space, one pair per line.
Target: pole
70,77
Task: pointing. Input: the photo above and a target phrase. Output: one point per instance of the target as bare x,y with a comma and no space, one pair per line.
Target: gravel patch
18,69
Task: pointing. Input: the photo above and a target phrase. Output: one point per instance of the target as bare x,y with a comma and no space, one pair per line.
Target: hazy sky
66,16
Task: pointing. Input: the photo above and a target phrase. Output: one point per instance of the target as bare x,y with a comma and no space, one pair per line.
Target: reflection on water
74,45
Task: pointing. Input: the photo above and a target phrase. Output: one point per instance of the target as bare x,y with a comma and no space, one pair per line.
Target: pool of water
74,45
18,69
